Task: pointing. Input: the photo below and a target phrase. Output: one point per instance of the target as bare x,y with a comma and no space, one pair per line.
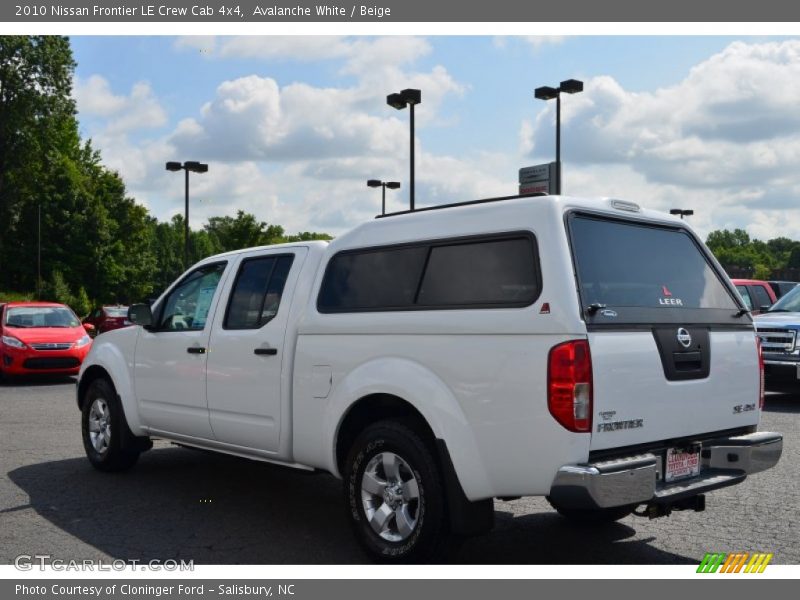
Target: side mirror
140,314
90,329
764,307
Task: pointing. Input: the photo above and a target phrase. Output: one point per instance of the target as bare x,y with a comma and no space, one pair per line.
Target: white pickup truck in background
589,351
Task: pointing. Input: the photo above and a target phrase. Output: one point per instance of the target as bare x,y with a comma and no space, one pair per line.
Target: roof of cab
310,243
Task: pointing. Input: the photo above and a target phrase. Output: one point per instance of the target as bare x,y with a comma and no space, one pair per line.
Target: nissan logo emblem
684,338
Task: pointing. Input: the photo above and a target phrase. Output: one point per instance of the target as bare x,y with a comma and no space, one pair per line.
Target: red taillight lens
569,385
760,373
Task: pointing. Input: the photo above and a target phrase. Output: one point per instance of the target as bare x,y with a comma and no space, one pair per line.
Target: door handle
265,351
196,350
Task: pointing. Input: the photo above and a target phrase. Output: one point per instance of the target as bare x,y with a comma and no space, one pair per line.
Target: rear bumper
637,479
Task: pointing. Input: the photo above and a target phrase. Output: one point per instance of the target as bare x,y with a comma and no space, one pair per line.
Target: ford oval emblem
684,338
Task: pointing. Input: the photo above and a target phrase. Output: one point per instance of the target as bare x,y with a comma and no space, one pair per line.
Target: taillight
569,385
760,373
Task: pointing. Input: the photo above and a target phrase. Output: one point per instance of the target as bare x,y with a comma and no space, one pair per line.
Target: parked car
758,295
106,318
440,358
781,288
777,328
41,338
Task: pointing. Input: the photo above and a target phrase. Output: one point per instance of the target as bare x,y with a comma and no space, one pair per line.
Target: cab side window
187,305
257,292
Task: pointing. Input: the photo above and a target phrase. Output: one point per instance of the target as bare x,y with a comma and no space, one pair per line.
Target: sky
292,127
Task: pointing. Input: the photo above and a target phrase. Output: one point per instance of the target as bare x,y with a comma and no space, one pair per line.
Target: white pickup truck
589,351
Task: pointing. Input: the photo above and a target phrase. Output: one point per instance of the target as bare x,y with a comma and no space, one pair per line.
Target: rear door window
647,273
257,292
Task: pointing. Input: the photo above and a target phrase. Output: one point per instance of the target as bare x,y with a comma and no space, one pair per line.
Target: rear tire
107,440
395,496
597,516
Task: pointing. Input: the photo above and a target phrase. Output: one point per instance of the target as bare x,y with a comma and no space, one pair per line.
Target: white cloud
725,141
723,124
534,41
360,53
726,138
252,118
289,47
205,44
294,154
138,110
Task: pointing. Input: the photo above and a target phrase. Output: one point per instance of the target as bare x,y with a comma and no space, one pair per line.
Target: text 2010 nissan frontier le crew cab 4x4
589,351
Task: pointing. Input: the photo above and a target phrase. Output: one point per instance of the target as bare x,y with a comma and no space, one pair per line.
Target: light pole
392,185
399,101
570,86
195,167
39,253
681,212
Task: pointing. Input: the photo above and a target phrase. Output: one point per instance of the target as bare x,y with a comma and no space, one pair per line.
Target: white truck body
477,376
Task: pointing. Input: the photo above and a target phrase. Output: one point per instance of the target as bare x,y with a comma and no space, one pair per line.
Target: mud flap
466,518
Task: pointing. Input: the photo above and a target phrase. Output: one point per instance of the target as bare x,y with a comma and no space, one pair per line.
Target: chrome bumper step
637,479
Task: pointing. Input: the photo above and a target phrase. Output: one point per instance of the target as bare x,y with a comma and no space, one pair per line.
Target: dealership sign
538,179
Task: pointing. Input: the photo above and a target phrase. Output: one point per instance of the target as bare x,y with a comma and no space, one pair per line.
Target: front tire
106,436
395,495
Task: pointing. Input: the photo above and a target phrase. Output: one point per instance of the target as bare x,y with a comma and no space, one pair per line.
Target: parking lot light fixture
682,212
569,86
195,167
408,97
392,185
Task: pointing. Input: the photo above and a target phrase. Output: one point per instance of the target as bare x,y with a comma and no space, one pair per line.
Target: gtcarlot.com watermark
43,562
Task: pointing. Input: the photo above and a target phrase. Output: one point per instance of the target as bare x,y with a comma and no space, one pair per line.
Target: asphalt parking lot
184,504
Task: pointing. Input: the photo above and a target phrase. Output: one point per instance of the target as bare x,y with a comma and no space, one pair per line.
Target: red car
41,338
106,318
755,293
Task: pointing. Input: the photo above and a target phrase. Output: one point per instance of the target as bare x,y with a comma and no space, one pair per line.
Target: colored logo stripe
711,562
736,562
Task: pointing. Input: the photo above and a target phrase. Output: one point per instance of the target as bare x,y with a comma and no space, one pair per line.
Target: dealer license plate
682,463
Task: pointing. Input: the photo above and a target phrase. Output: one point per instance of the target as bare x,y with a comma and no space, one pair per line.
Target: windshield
117,311
788,303
41,316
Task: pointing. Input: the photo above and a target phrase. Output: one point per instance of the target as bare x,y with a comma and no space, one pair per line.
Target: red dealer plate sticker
682,463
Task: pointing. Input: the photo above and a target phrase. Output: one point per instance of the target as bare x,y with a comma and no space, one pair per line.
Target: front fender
113,352
429,395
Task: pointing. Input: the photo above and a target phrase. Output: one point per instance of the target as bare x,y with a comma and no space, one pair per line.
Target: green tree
37,126
81,303
94,238
57,289
308,236
242,231
794,258
738,238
